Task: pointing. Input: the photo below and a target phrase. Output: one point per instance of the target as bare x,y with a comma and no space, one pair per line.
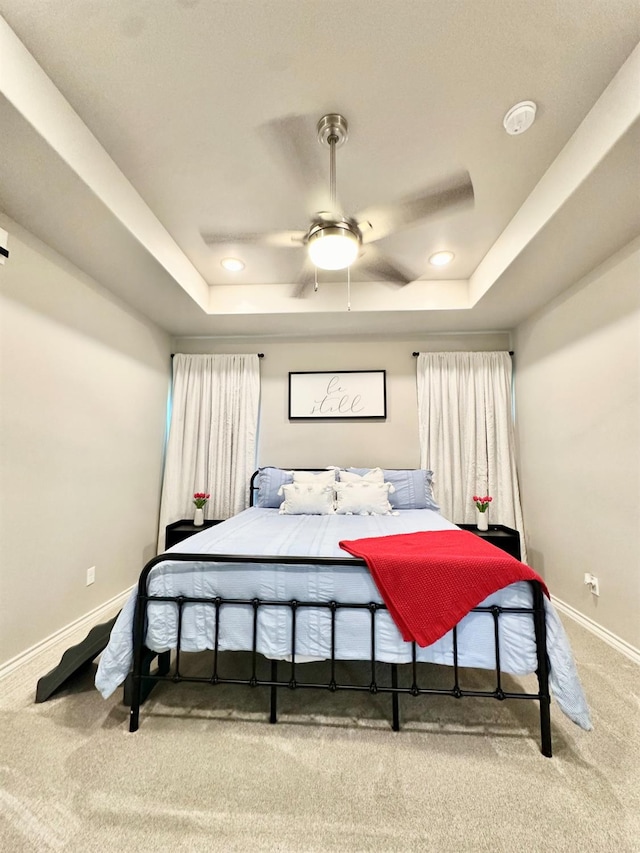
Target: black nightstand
179,530
502,537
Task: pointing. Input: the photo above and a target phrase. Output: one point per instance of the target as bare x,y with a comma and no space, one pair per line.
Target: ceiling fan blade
292,141
381,269
273,239
382,220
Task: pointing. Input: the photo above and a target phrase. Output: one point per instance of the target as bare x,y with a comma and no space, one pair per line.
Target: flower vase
198,517
483,521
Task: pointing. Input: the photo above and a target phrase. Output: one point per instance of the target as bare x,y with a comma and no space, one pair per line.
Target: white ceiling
129,130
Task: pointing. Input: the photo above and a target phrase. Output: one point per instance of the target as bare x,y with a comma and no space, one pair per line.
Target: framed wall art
344,395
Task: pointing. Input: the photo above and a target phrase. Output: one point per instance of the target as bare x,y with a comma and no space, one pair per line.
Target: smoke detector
519,118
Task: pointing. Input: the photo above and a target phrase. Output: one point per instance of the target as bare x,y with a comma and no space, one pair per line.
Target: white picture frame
338,395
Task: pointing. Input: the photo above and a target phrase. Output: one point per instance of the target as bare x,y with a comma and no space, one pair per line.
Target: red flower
482,503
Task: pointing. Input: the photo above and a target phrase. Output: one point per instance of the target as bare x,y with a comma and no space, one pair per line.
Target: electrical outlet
91,575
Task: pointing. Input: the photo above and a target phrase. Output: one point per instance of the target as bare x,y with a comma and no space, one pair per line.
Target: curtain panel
212,436
466,434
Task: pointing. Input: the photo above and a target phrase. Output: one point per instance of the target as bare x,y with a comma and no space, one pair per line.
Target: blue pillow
412,487
268,482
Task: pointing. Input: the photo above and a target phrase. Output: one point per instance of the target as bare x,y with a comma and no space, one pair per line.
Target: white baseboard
603,633
94,617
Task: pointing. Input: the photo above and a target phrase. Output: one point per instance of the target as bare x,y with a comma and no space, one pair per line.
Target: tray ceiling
129,132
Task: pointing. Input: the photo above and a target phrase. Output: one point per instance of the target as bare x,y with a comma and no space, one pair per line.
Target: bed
278,585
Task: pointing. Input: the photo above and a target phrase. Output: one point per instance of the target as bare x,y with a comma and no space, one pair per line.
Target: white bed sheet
263,531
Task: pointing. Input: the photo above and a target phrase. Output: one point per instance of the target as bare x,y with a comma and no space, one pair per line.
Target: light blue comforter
264,531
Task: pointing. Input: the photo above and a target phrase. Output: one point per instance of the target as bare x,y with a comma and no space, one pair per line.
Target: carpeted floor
206,771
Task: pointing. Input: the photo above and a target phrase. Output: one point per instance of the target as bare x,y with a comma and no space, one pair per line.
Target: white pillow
324,478
363,498
306,499
375,475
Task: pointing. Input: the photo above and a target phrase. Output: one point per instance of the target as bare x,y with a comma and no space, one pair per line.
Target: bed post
273,718
540,627
139,620
138,652
395,709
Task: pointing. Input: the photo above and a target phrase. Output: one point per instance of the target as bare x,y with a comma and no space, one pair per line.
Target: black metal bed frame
143,680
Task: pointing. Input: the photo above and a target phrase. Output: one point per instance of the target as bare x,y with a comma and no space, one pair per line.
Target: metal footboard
142,679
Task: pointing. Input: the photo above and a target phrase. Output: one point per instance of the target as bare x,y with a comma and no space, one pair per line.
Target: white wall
578,425
83,382
393,443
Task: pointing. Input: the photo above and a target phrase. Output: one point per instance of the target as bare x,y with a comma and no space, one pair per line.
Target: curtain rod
260,354
416,354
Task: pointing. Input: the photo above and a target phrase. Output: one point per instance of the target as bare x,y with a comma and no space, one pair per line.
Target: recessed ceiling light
441,259
232,264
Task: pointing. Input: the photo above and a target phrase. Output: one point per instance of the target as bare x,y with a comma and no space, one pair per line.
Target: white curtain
212,436
466,434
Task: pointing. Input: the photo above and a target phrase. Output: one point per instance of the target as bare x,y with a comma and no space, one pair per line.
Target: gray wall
83,383
393,443
578,426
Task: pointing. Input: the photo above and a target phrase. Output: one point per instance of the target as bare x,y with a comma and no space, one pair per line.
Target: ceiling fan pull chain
348,288
315,287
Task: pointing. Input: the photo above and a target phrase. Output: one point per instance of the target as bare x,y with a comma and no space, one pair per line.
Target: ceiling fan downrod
333,131
332,171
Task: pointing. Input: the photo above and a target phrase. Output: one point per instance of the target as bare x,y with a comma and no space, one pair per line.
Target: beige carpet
206,771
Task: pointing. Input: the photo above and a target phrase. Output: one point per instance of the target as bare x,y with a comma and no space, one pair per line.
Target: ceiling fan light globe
333,248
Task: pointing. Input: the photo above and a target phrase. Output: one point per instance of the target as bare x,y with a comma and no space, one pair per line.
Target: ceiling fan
335,241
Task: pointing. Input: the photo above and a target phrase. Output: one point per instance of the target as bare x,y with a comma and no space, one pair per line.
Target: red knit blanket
430,580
